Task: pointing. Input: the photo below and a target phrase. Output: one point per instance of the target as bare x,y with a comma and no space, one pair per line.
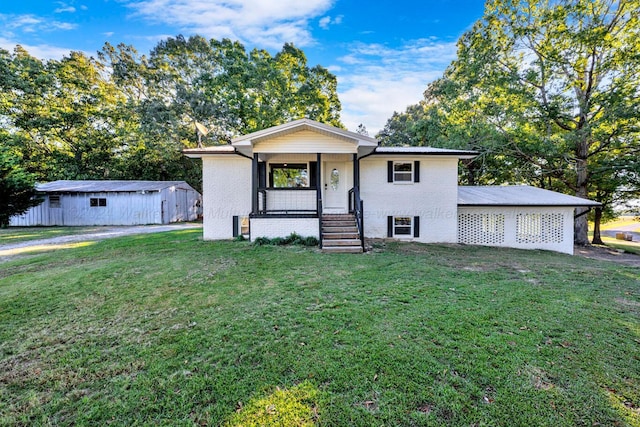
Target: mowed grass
168,329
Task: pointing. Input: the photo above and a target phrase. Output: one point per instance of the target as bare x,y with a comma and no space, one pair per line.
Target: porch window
402,172
290,175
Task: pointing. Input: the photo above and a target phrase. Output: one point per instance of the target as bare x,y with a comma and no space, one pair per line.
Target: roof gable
303,125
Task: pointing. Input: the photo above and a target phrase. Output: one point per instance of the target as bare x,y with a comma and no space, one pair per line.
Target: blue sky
383,52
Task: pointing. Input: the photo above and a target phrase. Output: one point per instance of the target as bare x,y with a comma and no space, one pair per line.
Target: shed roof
516,195
105,186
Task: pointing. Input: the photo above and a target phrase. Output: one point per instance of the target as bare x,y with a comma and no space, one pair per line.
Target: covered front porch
303,185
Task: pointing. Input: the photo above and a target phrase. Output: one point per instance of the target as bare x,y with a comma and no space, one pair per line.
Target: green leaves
17,192
129,116
549,90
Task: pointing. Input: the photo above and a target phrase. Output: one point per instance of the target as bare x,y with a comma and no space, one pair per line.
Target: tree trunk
580,224
597,239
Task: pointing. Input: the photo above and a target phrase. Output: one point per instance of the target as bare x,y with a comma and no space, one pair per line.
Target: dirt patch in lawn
604,253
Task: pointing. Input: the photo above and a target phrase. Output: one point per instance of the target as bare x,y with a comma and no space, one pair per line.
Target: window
402,172
289,175
244,226
403,226
54,202
97,202
240,226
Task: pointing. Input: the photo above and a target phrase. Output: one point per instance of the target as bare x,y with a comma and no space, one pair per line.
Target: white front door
335,188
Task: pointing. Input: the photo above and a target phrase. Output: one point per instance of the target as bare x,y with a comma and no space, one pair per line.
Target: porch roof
516,195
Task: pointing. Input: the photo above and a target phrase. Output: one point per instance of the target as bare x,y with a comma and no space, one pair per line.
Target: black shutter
416,226
389,226
313,171
389,171
235,226
416,171
262,174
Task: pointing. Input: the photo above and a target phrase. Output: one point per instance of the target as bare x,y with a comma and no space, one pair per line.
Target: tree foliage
550,88
126,115
17,186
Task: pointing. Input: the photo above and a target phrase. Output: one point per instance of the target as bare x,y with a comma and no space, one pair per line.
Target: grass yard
167,329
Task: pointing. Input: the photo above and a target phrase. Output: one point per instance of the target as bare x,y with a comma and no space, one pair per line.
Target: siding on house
282,227
305,141
226,183
434,199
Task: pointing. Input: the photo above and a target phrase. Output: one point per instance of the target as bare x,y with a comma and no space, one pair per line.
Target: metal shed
72,203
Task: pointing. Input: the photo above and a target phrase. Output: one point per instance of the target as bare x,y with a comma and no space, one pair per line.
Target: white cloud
376,80
64,8
325,21
260,22
41,51
31,24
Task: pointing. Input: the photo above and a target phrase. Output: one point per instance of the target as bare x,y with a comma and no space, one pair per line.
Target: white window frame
409,172
408,235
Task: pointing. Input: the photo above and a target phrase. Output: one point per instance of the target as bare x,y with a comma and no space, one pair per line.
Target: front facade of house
301,176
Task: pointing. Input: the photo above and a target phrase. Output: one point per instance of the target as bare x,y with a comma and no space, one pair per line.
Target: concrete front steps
340,234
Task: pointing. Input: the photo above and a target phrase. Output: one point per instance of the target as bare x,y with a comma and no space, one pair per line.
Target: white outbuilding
72,203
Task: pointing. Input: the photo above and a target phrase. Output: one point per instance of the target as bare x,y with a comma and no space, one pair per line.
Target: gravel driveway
9,250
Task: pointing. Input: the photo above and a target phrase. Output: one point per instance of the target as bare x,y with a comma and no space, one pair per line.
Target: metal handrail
356,207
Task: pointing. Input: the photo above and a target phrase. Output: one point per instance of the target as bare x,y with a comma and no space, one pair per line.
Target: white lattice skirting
525,228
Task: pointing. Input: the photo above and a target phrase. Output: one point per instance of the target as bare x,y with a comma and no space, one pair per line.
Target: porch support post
319,183
356,171
254,184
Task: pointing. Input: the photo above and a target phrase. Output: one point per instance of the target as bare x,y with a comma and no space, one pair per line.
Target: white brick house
317,180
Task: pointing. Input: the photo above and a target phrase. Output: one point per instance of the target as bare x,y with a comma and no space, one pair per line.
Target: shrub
262,241
291,239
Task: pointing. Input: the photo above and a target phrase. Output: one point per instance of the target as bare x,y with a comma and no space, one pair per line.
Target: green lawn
169,330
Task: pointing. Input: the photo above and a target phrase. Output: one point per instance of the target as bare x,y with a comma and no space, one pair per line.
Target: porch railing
356,207
287,201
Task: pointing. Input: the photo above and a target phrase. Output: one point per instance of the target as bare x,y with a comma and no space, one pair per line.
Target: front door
335,188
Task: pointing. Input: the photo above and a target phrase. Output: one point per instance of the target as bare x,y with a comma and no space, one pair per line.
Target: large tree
17,186
215,83
128,116
557,84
